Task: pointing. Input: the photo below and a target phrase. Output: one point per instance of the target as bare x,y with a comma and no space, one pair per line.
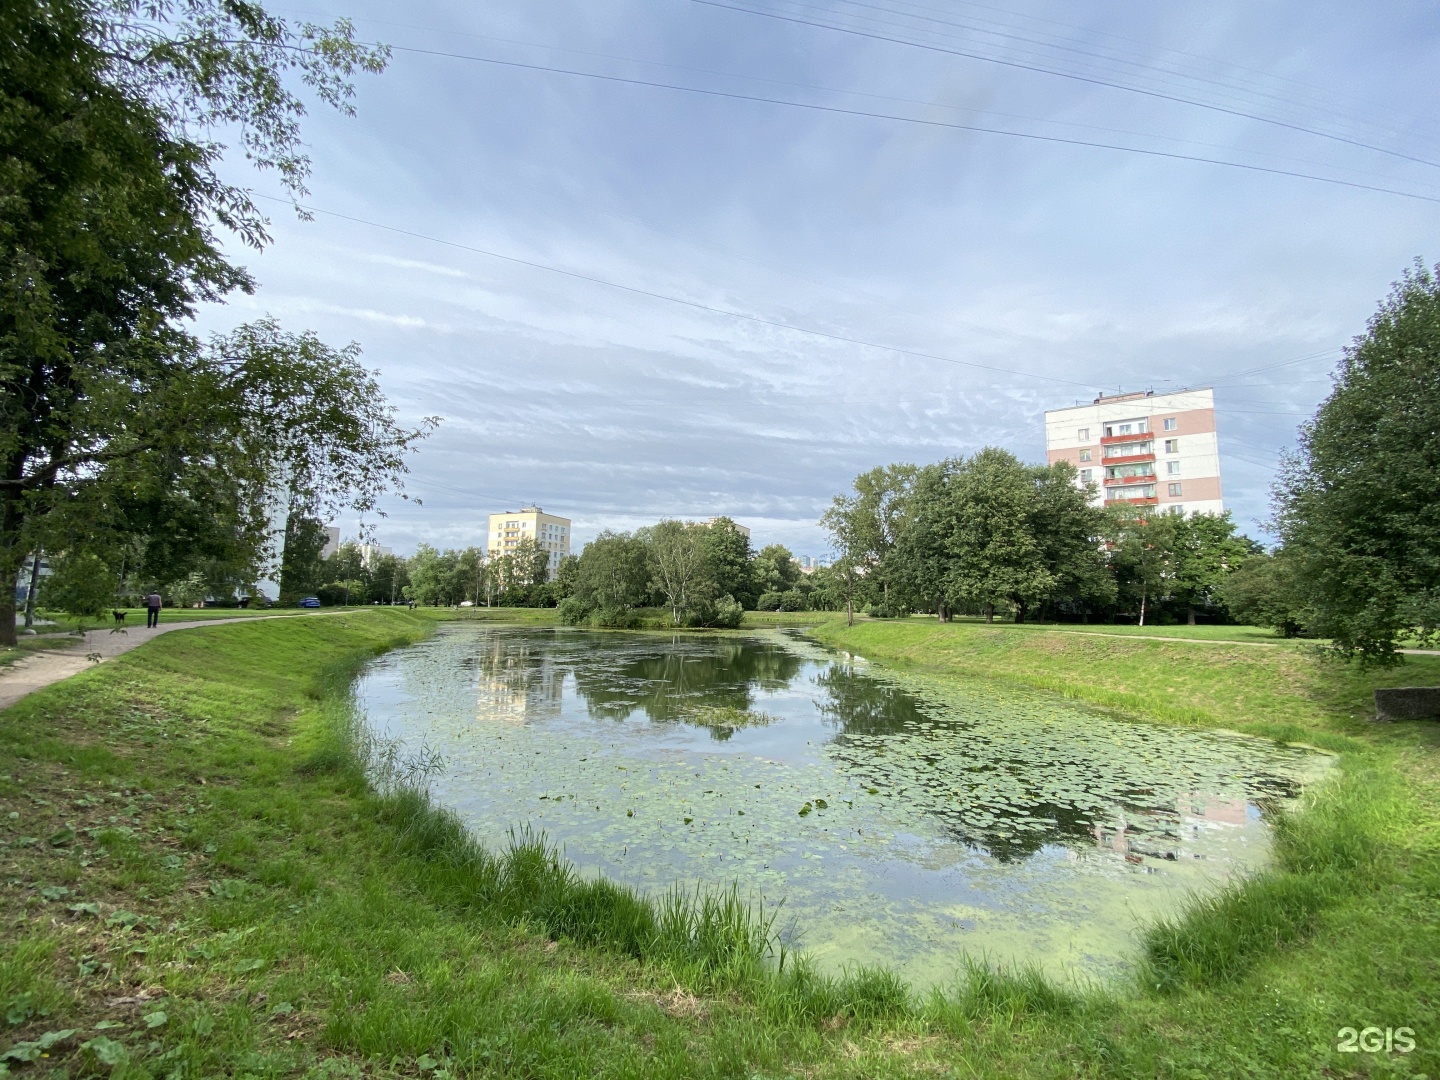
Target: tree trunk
989,613
1190,618
34,586
1142,608
849,611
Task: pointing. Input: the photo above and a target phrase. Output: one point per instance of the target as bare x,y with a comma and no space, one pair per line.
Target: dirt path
46,666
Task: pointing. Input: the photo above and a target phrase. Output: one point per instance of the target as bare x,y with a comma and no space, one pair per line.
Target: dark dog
119,617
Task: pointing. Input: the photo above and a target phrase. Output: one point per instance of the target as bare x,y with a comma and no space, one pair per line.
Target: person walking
152,610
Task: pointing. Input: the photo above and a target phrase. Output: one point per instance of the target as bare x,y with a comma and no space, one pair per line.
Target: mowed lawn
196,879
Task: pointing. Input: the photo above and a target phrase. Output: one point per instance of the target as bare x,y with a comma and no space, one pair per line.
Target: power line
1092,80
1045,46
671,299
838,110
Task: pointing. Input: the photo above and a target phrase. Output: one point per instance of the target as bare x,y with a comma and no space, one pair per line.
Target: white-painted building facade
1144,448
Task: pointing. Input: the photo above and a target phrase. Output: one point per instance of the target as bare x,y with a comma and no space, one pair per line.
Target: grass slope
197,880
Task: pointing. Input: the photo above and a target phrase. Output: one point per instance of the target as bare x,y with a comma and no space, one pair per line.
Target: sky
627,301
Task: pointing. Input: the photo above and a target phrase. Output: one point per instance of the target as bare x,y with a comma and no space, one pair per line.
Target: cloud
1070,268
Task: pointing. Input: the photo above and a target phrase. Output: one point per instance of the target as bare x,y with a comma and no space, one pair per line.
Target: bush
770,601
792,600
573,611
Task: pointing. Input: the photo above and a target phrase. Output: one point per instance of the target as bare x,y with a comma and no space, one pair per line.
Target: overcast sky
1032,272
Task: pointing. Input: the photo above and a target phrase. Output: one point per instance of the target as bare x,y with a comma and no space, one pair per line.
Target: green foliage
1262,591
728,561
128,428
81,584
1359,507
775,570
301,567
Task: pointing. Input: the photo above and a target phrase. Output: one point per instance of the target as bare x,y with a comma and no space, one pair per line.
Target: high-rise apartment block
1145,448
550,532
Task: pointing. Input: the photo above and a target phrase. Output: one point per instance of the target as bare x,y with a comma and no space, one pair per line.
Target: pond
903,821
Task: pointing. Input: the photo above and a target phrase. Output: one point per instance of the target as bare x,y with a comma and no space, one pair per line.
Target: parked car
310,601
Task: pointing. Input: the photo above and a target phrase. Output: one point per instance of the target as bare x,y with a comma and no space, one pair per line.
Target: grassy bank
199,880
1344,931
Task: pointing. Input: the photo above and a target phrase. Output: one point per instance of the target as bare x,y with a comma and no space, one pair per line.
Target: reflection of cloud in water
944,816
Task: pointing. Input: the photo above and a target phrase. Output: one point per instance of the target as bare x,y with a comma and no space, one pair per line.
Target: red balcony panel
1144,500
1128,459
1130,481
1134,436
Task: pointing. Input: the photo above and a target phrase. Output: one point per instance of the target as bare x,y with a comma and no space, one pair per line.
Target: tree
389,578
678,559
428,572
727,561
996,557
81,585
113,416
1205,551
1142,553
1358,506
1262,591
302,571
609,581
1070,531
775,569
874,518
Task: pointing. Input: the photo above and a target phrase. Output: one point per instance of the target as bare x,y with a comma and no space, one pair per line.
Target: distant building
370,554
741,529
1144,448
809,563
332,541
507,529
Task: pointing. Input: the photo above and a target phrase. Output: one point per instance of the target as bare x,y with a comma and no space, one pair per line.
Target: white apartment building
1144,448
507,529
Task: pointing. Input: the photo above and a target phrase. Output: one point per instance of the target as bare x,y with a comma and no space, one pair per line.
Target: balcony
1128,459
1143,500
1130,481
1134,436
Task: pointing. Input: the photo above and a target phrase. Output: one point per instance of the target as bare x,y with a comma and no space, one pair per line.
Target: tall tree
1070,532
874,517
1205,550
990,536
613,574
112,415
1142,553
727,562
678,566
1358,507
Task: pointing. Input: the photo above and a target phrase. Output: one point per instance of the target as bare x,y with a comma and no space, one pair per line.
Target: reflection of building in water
1214,808
1161,833
515,683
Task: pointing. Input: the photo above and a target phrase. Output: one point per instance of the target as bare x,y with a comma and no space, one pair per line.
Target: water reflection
902,820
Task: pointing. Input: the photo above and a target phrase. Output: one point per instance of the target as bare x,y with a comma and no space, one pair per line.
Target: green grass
196,847
27,645
1260,634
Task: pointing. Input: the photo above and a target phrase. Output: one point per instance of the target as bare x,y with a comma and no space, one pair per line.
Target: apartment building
1144,448
507,529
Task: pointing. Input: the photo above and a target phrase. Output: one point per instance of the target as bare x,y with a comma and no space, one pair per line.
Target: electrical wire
838,110
1092,80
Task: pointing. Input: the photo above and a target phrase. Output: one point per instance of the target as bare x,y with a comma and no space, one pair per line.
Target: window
1084,455
1172,468
1172,446
1125,429
1084,434
1174,490
1085,476
1178,508
1170,423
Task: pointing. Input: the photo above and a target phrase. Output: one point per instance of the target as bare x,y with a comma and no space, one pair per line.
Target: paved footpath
46,666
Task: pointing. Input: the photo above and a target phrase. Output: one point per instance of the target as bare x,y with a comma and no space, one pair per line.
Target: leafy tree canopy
1358,506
